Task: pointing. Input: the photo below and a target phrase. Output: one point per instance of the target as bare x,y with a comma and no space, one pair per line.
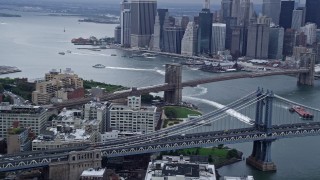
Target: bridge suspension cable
167,130
140,141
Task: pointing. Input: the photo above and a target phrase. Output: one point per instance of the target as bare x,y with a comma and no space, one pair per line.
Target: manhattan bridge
260,117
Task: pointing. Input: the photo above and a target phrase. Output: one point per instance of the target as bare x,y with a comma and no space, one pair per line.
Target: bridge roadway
166,87
171,143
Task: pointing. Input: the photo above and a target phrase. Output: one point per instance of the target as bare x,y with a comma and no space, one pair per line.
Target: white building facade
189,40
34,117
218,37
131,117
310,29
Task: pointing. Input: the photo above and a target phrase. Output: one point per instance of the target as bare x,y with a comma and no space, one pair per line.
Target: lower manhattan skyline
159,89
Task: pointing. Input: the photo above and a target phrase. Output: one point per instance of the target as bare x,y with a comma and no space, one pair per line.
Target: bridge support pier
261,156
261,153
173,77
307,61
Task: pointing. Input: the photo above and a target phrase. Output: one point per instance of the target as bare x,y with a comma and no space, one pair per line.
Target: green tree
233,153
170,113
210,159
220,146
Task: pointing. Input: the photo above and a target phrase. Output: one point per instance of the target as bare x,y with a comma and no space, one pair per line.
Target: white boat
149,55
99,66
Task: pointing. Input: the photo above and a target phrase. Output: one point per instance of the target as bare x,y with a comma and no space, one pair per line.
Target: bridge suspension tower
307,61
261,153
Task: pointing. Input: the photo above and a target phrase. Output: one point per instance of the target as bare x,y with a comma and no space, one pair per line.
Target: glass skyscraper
287,8
143,14
271,8
313,11
205,31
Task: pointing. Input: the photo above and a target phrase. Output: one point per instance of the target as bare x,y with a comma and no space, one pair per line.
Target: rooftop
93,172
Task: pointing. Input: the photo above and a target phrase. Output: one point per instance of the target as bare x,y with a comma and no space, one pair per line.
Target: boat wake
161,72
231,112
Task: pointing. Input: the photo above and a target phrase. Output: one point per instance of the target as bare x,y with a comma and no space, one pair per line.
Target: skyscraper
310,30
172,39
205,30
218,37
288,42
117,34
226,9
235,9
297,17
161,21
125,23
276,36
258,41
313,12
143,14
287,8
244,14
189,40
271,8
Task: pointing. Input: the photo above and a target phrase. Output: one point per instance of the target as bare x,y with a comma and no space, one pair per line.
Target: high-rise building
172,39
218,37
226,9
230,24
244,13
235,9
301,39
185,21
258,41
117,35
205,32
236,43
312,11
287,8
161,21
125,23
297,19
189,40
288,42
276,36
310,30
271,8
143,14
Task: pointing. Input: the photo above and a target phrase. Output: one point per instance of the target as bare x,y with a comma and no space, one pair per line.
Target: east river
32,43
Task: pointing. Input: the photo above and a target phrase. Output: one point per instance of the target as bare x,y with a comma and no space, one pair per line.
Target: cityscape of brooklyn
159,89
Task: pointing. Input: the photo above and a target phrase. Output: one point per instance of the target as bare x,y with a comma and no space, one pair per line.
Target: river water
32,44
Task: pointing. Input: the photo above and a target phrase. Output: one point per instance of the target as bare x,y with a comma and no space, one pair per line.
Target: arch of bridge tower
307,61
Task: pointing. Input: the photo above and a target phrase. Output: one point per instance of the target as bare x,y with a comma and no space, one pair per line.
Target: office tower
258,41
125,23
117,34
297,19
143,14
205,31
313,12
218,37
288,42
287,8
230,24
235,9
184,22
276,36
190,40
235,46
271,8
226,9
301,39
161,21
310,30
172,39
264,20
244,14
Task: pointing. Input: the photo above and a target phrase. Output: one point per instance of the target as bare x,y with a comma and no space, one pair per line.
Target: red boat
302,112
